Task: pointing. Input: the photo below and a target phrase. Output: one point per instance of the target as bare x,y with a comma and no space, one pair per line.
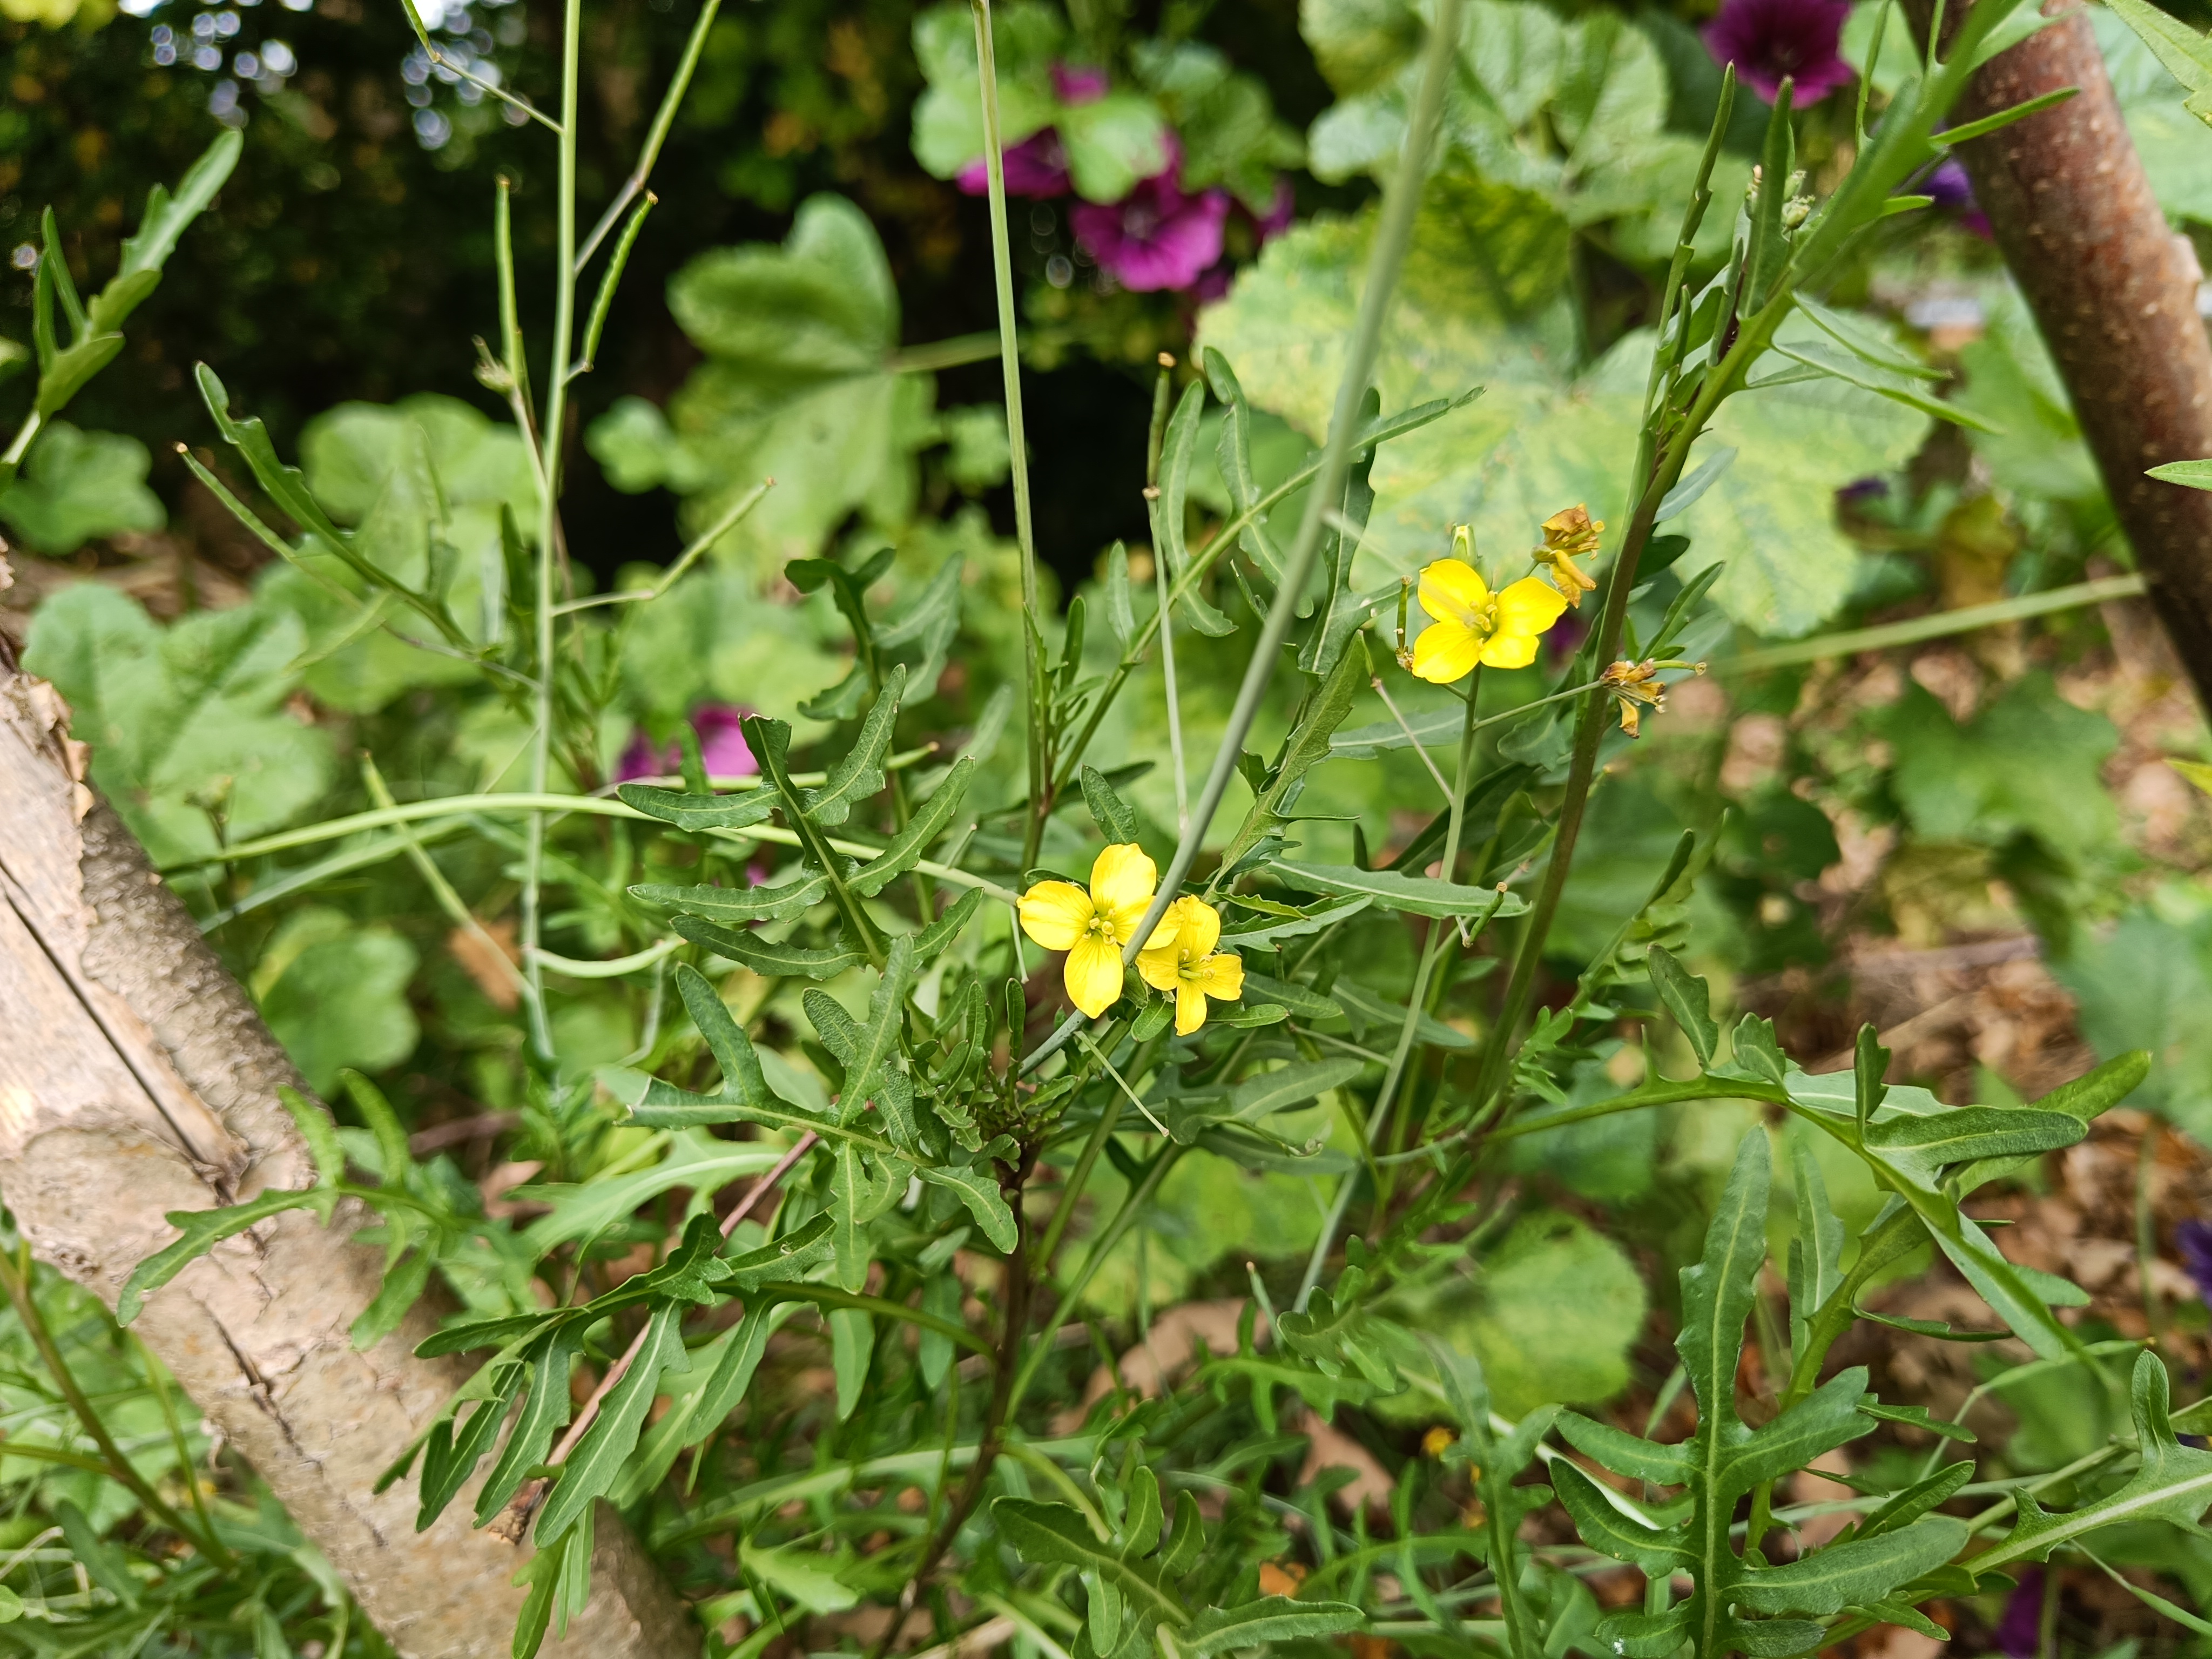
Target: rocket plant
938,1202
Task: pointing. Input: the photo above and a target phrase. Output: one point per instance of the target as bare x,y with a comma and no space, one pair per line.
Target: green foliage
77,487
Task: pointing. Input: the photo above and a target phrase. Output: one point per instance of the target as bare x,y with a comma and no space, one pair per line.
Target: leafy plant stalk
1393,235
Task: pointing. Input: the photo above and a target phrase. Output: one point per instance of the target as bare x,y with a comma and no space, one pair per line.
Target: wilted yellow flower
1474,625
1635,685
1569,534
1182,960
1093,927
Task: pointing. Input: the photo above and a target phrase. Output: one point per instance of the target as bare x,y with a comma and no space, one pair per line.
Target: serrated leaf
202,1230
320,1133
1754,1051
690,811
904,850
739,904
544,1412
860,773
1271,1619
590,1468
774,961
451,1453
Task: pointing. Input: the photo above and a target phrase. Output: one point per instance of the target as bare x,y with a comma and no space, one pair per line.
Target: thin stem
549,521
1936,625
1420,750
1168,667
2147,1236
1077,1178
690,556
1010,363
16,1279
654,137
1441,934
430,50
449,901
1393,233
160,1385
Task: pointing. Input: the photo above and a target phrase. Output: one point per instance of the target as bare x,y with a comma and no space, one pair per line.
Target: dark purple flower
1156,237
1767,39
1072,84
1955,192
722,747
2194,1239
2019,1631
1038,166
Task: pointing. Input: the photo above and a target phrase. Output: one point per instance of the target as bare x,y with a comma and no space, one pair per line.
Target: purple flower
1038,166
2019,1631
722,747
1073,85
1156,237
2194,1239
1767,39
1955,192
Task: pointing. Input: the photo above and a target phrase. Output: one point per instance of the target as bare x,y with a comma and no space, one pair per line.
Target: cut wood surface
2113,288
136,1079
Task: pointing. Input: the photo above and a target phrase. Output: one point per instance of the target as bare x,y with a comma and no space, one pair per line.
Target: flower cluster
1094,927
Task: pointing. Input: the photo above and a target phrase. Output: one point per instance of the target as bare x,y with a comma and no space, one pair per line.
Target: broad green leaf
184,720
1687,998
851,1349
1857,1570
2186,54
1054,1535
1417,896
590,1468
806,1575
1291,1085
977,1186
1114,817
334,993
202,1230
78,487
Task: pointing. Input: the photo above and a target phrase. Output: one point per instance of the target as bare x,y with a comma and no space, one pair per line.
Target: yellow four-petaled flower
1188,967
1093,927
1474,625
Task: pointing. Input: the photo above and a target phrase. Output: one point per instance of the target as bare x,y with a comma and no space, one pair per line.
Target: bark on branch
2114,291
136,1079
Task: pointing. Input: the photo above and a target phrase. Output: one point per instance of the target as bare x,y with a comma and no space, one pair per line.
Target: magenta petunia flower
1156,237
1768,39
1038,166
721,745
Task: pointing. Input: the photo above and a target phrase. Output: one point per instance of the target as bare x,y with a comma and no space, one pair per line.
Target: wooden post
136,1078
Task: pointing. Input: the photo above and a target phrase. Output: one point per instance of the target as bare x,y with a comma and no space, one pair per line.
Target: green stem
16,1277
1939,624
1393,235
1441,934
663,118
548,520
2147,1236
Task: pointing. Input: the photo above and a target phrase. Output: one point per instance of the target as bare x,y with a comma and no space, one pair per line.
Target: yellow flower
1635,685
1474,625
1569,534
1182,959
1439,1440
1093,927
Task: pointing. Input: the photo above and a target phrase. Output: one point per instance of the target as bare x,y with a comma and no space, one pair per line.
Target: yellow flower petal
1055,913
1162,969
1510,651
1197,924
1528,606
1445,653
1121,883
1221,975
1453,592
1190,1009
1093,976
